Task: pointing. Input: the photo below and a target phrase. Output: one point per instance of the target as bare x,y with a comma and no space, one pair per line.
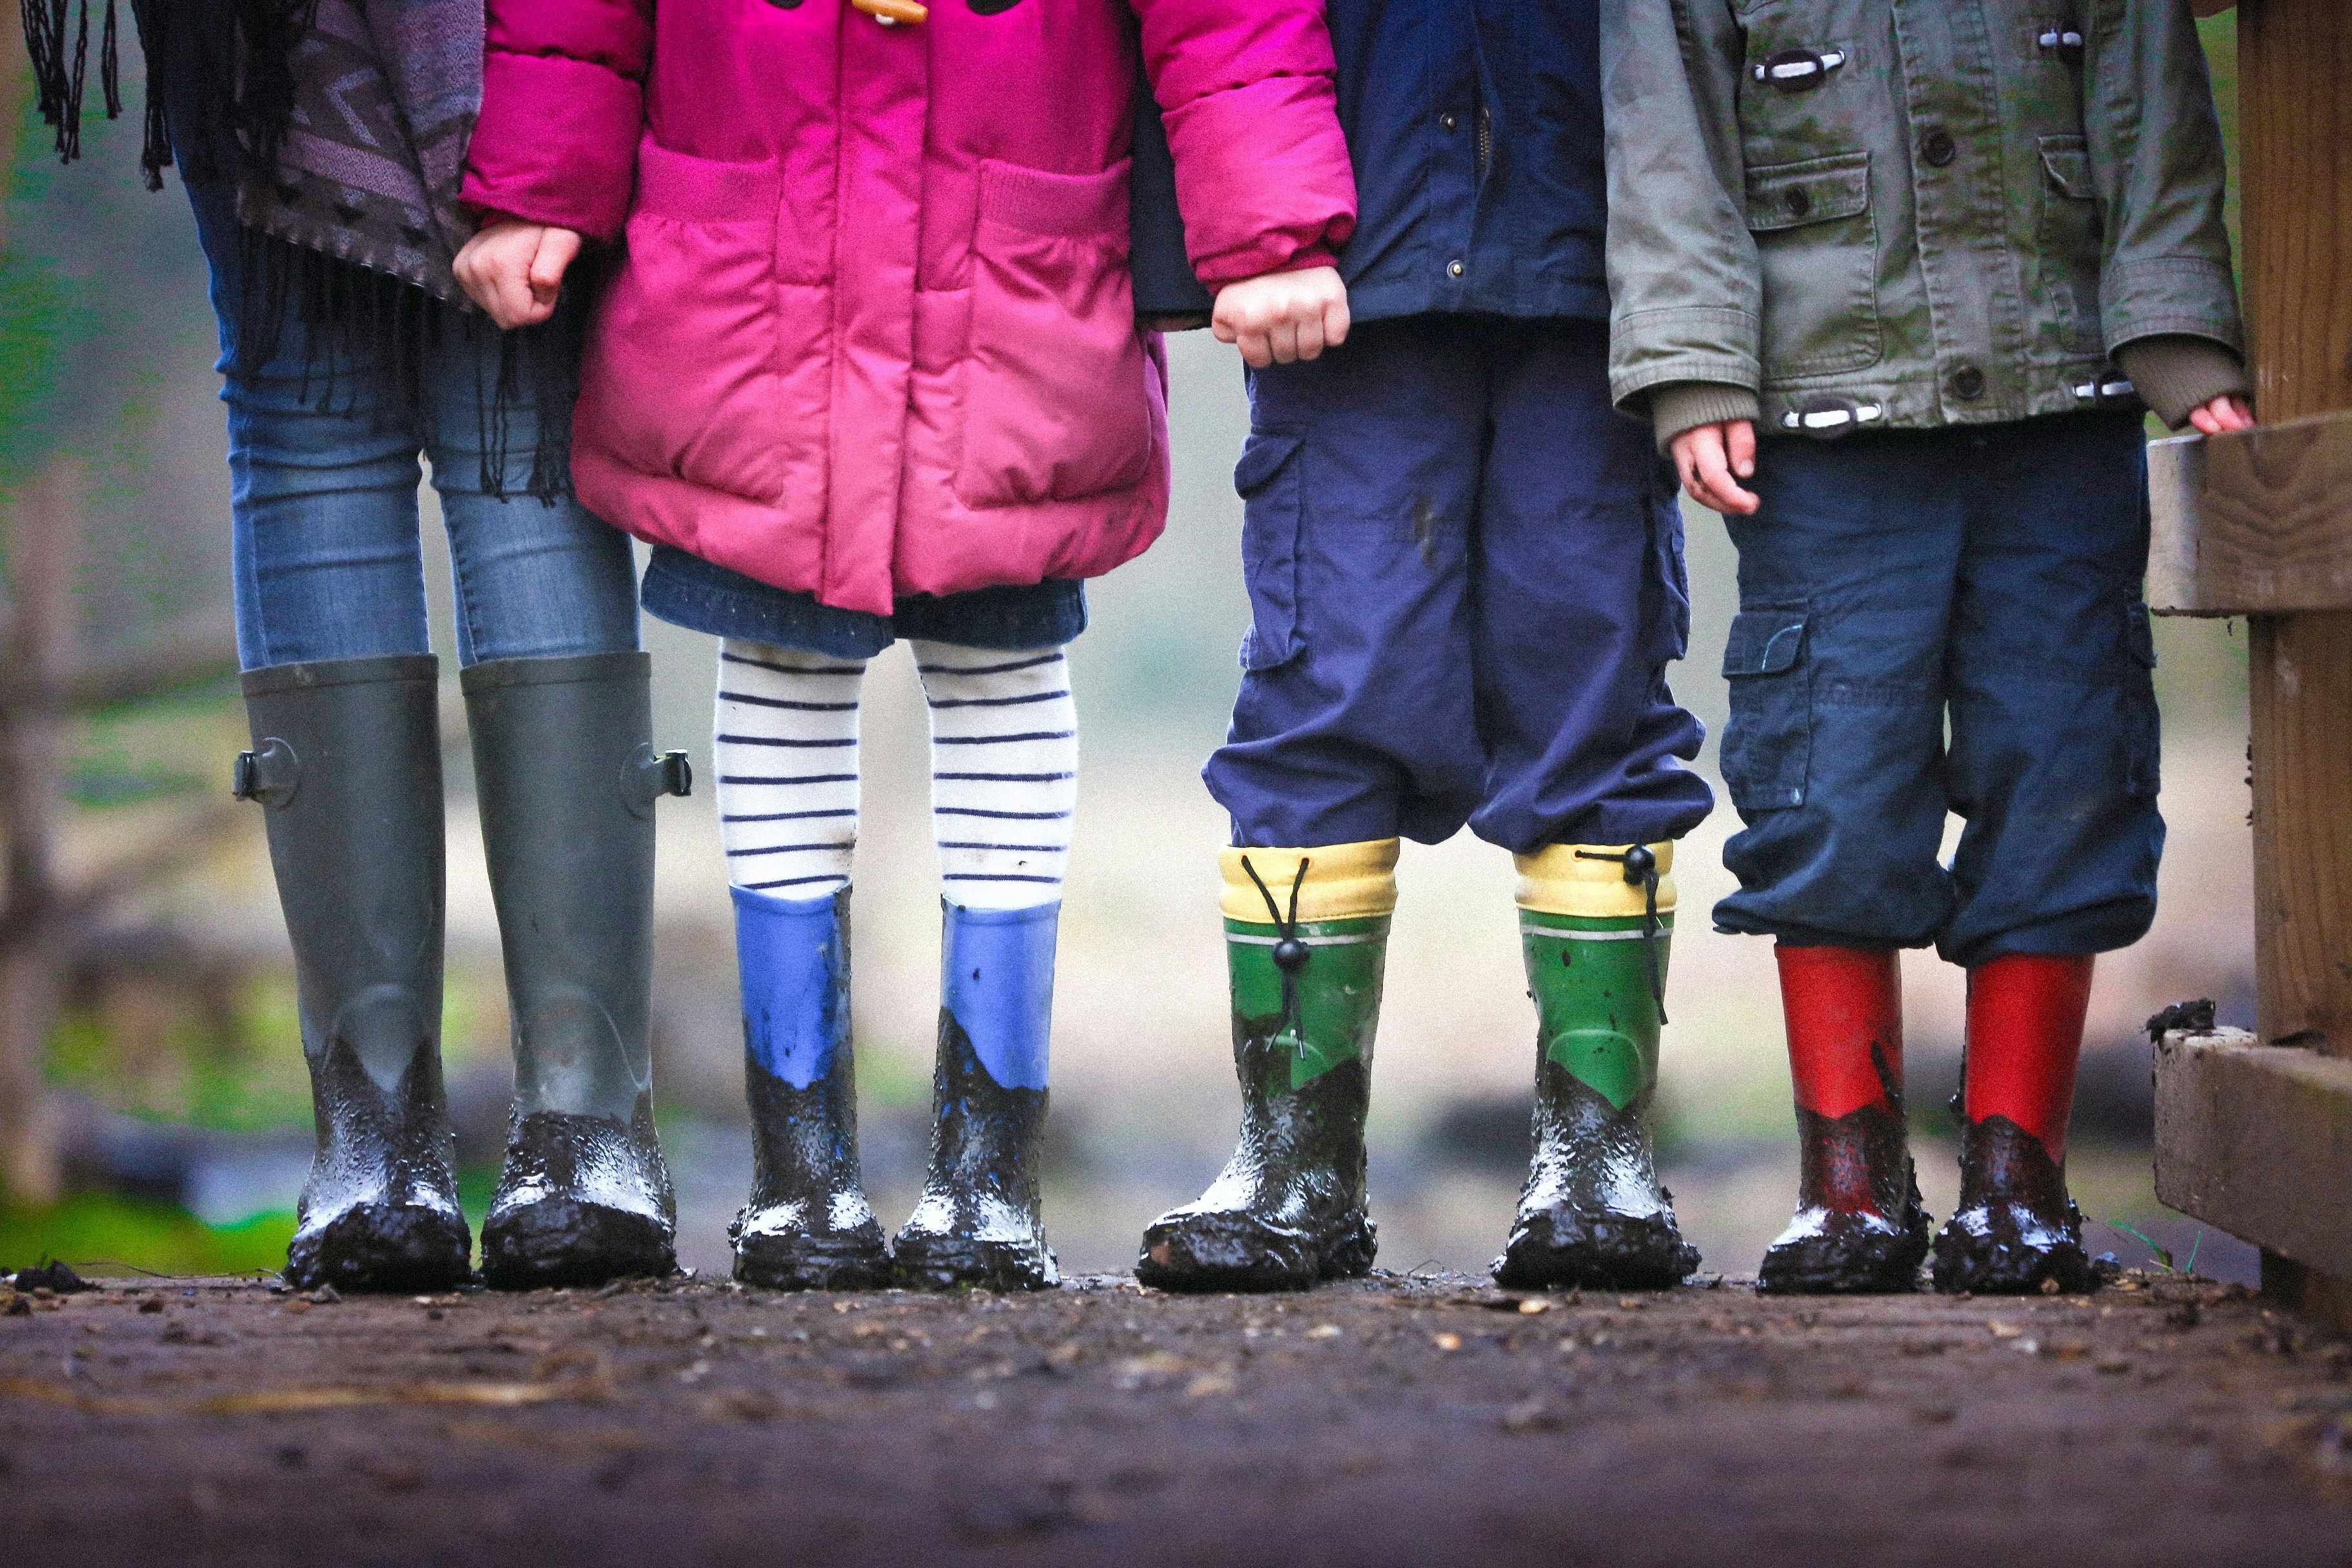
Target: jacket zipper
1485,140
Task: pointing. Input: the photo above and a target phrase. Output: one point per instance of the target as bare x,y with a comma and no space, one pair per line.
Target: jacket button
1968,384
1454,269
1448,121
1938,148
1799,203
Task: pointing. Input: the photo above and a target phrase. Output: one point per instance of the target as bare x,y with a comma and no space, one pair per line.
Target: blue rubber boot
808,1226
978,1221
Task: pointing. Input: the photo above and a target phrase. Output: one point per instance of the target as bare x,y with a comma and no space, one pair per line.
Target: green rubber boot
1593,1213
1289,1209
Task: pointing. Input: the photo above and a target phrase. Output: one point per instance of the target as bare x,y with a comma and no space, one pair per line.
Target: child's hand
1707,457
515,270
2226,413
1278,317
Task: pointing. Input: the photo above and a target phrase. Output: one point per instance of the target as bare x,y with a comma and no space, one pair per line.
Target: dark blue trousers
1987,579
1465,578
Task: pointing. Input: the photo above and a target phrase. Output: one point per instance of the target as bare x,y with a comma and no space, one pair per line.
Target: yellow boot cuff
1558,881
1344,881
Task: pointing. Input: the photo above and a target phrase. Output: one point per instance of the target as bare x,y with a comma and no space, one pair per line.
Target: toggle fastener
890,13
2105,391
1827,418
1797,71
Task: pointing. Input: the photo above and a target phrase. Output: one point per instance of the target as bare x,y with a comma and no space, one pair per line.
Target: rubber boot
1306,945
1860,1227
567,778
346,760
1596,922
2016,1228
978,1222
808,1226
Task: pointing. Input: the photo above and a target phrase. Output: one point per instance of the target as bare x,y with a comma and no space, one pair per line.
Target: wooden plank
2258,1140
2294,78
2259,520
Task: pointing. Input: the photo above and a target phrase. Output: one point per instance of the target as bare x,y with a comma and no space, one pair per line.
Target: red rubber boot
1860,1226
2016,1228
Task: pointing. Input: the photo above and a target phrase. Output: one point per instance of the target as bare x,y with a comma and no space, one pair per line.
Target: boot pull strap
271,774
649,775
1290,953
1642,870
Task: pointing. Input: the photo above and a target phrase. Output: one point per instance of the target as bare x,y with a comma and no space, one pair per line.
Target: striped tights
1004,770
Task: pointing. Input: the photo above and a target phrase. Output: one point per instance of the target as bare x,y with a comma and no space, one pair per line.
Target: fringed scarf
344,124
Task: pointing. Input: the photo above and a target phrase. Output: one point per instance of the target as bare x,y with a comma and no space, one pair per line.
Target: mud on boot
978,1222
346,763
2015,1226
1306,946
1860,1226
1596,924
808,1226
582,1199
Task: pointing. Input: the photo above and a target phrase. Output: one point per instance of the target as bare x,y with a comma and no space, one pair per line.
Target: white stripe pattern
786,747
1005,771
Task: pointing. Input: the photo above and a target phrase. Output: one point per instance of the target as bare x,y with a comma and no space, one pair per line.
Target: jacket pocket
2069,240
1054,399
683,377
1767,747
1273,501
1817,257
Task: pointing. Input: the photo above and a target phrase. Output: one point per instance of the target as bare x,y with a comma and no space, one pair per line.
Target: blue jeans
1989,578
1466,574
328,556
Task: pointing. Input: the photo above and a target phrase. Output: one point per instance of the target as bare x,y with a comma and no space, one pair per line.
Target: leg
1834,758
1355,726
1580,605
787,758
2054,765
340,691
1005,785
560,708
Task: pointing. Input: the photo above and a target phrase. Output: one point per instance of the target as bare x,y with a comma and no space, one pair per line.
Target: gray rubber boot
346,761
567,777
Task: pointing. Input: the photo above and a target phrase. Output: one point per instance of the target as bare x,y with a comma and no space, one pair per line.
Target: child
1465,577
869,369
1935,229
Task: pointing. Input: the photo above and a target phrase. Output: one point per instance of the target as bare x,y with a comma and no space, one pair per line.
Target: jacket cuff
2176,374
556,142
1262,177
1681,405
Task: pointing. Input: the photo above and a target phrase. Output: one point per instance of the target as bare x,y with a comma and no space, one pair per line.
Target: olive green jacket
1883,214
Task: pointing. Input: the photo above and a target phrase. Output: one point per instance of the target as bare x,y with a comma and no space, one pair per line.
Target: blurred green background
173,1095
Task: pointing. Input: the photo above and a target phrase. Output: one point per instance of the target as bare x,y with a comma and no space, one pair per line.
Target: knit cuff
2176,373
1686,405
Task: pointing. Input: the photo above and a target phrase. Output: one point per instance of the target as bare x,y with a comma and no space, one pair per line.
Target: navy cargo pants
1987,577
1465,581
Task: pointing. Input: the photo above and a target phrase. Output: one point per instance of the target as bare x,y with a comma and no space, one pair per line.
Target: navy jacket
1475,130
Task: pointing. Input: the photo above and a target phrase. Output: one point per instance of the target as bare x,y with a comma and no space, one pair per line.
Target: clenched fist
515,270
1279,317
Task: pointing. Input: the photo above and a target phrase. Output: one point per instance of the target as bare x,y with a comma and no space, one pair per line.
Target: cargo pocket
2144,766
1817,252
2069,242
1055,400
1272,499
682,377
1767,747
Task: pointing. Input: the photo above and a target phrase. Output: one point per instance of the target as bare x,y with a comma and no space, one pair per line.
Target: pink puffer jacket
874,333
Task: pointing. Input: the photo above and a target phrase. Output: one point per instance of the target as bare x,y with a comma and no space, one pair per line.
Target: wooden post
2295,63
42,544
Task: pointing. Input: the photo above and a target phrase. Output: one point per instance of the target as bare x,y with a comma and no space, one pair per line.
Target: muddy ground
1396,1420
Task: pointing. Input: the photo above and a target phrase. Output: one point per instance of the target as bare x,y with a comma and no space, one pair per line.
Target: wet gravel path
1387,1421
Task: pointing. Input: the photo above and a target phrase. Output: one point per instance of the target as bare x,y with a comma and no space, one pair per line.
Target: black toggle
1640,865
271,774
1291,952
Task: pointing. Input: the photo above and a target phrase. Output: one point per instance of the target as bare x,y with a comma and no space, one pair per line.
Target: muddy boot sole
2010,1266
1848,1260
859,1260
1237,1251
930,1262
562,1241
1560,1249
383,1246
